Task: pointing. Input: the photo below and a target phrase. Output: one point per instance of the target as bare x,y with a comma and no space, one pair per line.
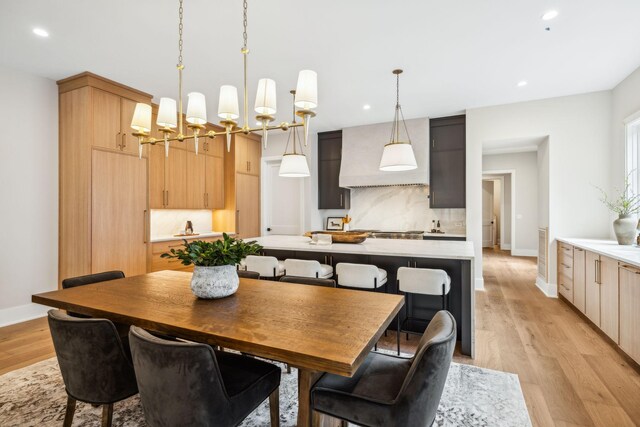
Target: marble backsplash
400,208
167,222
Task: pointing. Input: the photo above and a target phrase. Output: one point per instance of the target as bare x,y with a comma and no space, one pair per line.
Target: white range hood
362,149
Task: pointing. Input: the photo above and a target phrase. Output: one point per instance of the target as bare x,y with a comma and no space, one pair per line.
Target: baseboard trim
524,252
549,289
22,313
479,284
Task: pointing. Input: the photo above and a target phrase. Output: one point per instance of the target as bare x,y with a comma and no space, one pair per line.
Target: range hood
362,149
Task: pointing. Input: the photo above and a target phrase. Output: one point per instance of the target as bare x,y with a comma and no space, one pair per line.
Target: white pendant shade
266,97
398,157
196,109
307,90
294,166
141,121
167,113
228,103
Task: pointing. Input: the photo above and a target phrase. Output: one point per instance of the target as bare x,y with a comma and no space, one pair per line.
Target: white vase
625,229
214,282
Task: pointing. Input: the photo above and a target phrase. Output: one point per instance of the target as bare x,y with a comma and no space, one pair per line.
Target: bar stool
422,281
307,268
360,276
267,266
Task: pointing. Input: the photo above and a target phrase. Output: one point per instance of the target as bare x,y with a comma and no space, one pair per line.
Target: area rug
35,396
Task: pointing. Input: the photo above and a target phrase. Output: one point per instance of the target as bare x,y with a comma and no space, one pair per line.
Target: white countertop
171,237
429,234
611,248
445,249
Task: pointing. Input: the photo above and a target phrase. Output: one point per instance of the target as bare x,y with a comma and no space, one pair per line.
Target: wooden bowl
342,236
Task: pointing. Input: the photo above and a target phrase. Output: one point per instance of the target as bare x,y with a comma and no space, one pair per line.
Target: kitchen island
456,258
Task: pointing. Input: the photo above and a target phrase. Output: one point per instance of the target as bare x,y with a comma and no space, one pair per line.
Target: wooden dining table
314,329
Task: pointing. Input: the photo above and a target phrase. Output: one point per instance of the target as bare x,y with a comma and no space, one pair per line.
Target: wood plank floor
570,375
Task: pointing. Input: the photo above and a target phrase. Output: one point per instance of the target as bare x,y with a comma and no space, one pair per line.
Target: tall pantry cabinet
103,199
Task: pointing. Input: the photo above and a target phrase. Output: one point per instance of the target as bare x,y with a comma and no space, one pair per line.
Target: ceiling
456,54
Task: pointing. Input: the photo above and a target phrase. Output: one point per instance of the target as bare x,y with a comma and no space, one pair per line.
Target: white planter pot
625,229
214,282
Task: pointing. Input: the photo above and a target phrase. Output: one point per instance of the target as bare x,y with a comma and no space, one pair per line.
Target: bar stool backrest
424,281
302,267
266,266
362,276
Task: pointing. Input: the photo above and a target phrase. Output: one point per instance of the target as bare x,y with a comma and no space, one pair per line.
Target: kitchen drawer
565,287
158,263
565,266
160,247
566,250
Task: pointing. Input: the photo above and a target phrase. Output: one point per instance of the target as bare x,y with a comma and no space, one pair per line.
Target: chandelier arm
212,134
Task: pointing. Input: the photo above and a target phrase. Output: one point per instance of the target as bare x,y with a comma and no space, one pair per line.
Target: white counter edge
604,247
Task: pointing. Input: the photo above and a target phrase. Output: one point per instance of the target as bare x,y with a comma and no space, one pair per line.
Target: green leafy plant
228,251
625,202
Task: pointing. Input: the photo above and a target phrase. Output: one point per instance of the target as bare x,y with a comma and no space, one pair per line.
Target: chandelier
294,164
170,113
398,154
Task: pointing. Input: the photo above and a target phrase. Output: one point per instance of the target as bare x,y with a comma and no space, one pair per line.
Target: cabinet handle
144,226
238,221
123,138
565,265
415,264
409,263
167,198
341,199
118,140
433,143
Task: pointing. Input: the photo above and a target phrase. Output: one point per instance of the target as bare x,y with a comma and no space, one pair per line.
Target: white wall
525,165
543,183
29,193
579,131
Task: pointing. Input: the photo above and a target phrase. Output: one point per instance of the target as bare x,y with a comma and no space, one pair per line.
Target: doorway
283,200
489,219
499,209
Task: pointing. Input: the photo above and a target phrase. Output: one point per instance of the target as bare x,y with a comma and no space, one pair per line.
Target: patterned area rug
35,396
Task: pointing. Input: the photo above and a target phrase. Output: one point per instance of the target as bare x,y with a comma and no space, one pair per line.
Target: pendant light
294,164
398,154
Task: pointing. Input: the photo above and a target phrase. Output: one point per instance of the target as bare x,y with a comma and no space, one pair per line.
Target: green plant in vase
626,204
214,272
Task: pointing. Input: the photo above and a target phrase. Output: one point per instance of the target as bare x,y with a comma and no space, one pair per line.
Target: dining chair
248,274
307,268
190,384
92,278
94,364
329,283
389,390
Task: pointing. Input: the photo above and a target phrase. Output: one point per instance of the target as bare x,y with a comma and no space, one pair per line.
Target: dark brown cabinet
447,163
330,194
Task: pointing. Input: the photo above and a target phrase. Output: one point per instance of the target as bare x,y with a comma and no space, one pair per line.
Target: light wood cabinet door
579,264
156,177
254,154
247,205
175,174
592,287
119,213
241,151
609,297
129,143
214,182
106,132
629,312
195,184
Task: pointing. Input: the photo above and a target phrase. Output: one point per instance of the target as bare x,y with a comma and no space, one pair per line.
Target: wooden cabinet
158,248
118,213
592,287
608,277
112,116
214,182
447,160
330,194
579,276
195,180
629,312
565,271
241,211
103,185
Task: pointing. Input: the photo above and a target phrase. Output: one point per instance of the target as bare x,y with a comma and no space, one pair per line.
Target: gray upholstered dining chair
94,364
329,283
190,384
392,391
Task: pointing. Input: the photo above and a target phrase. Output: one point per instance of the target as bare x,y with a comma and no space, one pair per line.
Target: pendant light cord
399,115
180,67
245,52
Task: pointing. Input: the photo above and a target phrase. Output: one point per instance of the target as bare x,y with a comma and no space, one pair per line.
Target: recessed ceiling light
549,15
522,83
40,32
366,107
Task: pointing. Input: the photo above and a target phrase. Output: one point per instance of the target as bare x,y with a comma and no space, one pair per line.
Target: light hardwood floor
570,375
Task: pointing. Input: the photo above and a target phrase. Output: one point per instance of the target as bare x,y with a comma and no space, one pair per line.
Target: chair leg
288,368
398,333
71,410
344,423
274,407
107,415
